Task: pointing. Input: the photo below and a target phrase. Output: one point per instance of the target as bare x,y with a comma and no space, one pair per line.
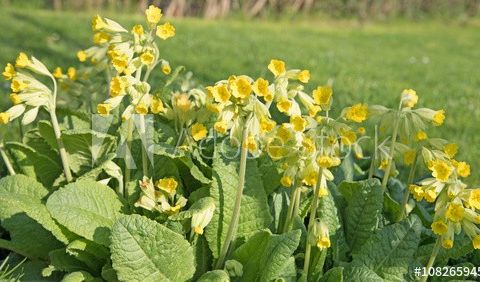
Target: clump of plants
135,173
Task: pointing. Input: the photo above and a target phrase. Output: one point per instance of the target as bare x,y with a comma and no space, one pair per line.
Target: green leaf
22,196
33,164
270,174
32,271
60,260
364,206
198,206
33,139
203,257
90,253
254,212
391,250
86,208
79,276
360,274
215,276
266,256
333,275
144,250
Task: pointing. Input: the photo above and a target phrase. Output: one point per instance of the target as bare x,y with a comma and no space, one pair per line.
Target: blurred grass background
369,62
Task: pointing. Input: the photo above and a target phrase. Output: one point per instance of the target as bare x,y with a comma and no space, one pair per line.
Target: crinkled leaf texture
215,276
86,208
391,250
361,215
144,250
266,257
254,213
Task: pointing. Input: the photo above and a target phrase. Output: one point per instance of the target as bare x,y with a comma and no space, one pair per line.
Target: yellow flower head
455,212
183,103
417,192
166,69
438,117
322,192
463,169
82,56
104,109
138,29
325,161
15,98
117,86
284,133
304,76
260,87
441,170
165,31
421,135
168,184
153,14
322,95
311,178
141,108
220,126
4,118
451,150
147,58
308,145
275,151
476,242
439,227
22,61
57,73
98,23
250,144
199,131
221,94
284,105
409,157
100,38
409,98
277,67
72,73
17,85
286,181
348,137
447,244
266,125
9,72
430,195
474,198
156,106
242,88
298,123
357,113
361,130
323,242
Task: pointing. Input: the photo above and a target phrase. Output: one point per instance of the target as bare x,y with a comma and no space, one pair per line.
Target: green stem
232,229
20,129
374,156
431,261
61,146
406,196
127,156
7,245
291,207
7,162
143,139
311,220
392,148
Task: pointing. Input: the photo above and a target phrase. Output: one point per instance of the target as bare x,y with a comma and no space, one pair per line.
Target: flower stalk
142,131
406,196
292,208
433,256
7,162
374,156
396,127
61,146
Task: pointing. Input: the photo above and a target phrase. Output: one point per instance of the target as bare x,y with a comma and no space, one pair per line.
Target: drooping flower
409,98
357,113
199,131
154,14
165,31
277,67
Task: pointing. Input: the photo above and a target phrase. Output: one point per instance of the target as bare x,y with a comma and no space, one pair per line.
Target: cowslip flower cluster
160,196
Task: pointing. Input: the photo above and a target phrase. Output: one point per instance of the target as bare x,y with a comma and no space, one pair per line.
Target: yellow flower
168,184
441,170
9,72
383,164
409,98
284,105
304,76
98,23
153,14
447,244
322,95
311,178
199,131
455,212
266,125
147,58
72,73
348,137
58,72
17,85
22,61
100,38
474,199
214,108
361,130
417,192
476,242
325,161
221,93
463,169
323,242
165,31
251,144
439,227
260,87
298,123
277,67
183,103
421,135
284,133
141,108
308,144
15,99
156,106
242,88
357,113
322,192
104,109
409,157
82,56
430,195
117,86
286,181
4,118
166,69
451,150
438,117
220,126
138,29
275,151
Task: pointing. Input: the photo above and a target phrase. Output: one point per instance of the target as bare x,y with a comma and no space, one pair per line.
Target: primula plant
157,178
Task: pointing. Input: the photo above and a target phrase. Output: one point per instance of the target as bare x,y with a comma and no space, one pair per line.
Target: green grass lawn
369,64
